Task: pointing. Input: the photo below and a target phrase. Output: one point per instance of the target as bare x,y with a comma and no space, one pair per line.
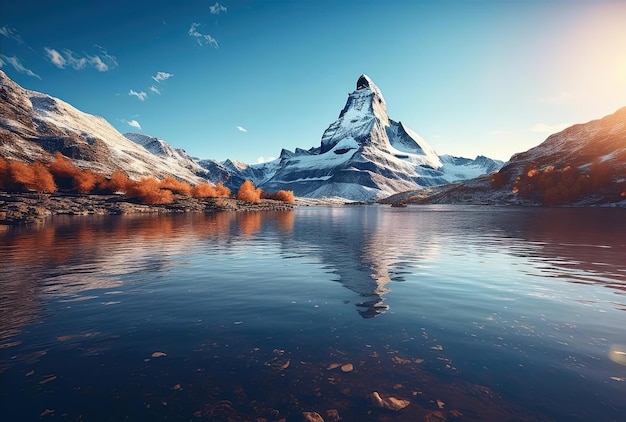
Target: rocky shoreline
33,208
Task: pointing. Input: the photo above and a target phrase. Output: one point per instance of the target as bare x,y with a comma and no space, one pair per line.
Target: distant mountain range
362,156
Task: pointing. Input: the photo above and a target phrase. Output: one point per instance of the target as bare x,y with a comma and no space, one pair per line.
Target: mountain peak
364,81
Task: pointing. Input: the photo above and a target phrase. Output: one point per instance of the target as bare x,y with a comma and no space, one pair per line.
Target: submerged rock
390,402
312,417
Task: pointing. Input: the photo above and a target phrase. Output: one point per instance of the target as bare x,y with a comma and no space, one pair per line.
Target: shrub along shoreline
35,208
30,193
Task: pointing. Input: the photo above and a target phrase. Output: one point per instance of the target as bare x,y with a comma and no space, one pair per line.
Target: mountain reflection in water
497,313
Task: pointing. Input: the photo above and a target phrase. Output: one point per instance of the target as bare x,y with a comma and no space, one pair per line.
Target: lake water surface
471,313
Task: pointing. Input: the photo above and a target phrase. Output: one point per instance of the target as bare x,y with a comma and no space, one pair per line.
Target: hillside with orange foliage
551,186
61,174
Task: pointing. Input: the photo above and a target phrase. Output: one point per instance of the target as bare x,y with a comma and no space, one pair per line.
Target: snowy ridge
458,168
52,124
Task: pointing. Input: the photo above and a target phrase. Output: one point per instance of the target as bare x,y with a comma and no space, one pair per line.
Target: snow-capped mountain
34,125
363,155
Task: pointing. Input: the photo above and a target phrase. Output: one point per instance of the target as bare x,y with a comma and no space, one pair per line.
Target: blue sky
242,79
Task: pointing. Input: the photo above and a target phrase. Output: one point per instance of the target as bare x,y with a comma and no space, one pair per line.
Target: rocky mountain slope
34,125
584,164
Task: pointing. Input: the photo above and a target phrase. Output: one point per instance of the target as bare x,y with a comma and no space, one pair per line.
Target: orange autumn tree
43,182
4,173
118,182
21,176
221,190
85,181
148,191
69,177
281,195
175,186
248,192
63,171
206,190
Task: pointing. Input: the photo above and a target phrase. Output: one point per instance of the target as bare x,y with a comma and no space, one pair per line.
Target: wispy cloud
17,65
55,57
162,76
202,39
11,33
500,132
102,61
67,58
241,129
133,123
140,95
155,90
544,128
264,159
217,8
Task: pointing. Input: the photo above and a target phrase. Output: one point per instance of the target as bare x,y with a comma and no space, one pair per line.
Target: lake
469,313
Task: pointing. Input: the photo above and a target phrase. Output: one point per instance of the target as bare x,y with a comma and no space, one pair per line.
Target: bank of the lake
32,208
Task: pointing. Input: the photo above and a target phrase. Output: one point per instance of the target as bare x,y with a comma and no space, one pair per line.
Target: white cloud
155,90
202,39
141,95
77,63
264,160
102,61
134,123
17,65
241,129
217,8
97,62
11,33
55,57
162,76
543,128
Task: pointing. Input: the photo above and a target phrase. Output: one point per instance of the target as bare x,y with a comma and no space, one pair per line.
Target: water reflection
68,257
367,248
241,334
